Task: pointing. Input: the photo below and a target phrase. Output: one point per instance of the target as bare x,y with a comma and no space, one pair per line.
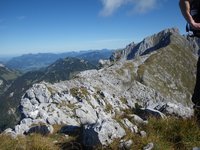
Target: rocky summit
155,77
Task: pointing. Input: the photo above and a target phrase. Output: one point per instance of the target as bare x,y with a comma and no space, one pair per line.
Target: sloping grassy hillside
6,78
171,71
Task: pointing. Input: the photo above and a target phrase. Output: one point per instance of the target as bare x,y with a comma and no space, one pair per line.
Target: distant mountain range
65,69
30,62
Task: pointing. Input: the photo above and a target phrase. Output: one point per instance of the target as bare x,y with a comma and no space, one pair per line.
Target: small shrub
108,108
79,92
123,100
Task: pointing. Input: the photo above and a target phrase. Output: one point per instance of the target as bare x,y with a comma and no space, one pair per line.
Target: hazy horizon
7,57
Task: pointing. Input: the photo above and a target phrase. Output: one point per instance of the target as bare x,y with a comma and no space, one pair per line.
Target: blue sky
32,26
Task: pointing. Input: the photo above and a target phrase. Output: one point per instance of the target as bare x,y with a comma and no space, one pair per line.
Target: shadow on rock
71,130
41,129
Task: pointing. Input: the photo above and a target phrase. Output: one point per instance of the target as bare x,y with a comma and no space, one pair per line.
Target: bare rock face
195,44
156,75
103,132
176,110
41,129
149,146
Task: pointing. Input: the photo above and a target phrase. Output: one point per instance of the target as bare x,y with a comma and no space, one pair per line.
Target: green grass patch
166,134
108,108
123,100
169,134
32,142
170,70
174,133
79,92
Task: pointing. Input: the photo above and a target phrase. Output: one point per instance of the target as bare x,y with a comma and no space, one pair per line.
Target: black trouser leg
196,94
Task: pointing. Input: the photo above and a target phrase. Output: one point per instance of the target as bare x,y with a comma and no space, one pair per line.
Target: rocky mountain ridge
153,78
62,69
155,42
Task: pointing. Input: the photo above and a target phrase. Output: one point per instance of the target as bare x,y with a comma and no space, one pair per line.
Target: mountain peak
149,44
1,65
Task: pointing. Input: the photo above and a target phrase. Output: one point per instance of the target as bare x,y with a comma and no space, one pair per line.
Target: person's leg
196,94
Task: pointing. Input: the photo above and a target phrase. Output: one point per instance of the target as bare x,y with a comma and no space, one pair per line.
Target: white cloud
110,6
138,6
143,6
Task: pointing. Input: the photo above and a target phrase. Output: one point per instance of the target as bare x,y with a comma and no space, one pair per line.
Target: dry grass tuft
166,134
